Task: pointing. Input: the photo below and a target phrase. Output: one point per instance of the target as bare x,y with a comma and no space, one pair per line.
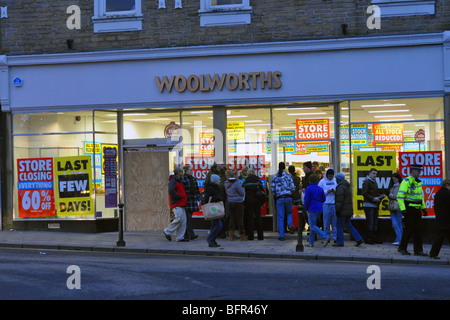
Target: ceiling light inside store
209,111
306,114
284,109
248,121
384,105
394,116
396,120
135,114
156,119
388,111
257,124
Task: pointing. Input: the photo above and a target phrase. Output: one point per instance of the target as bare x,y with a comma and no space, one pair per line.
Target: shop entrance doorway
321,153
147,165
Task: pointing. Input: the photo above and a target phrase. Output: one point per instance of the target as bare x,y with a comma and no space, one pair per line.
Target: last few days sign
73,186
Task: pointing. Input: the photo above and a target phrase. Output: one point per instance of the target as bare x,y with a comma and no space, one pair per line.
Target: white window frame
222,15
398,8
117,21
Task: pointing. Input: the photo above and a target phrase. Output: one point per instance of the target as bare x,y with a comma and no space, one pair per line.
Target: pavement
154,242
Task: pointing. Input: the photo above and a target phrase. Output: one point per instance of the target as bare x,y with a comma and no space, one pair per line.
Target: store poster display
386,164
35,185
431,176
201,166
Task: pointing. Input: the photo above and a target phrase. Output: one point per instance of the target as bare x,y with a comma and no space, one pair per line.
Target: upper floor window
394,8
117,15
120,6
224,12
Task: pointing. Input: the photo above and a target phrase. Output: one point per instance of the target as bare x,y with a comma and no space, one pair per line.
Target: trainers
309,245
213,244
167,236
404,252
396,243
358,243
433,257
327,241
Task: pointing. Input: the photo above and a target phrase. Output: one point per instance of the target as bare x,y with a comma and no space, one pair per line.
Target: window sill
117,23
225,17
405,7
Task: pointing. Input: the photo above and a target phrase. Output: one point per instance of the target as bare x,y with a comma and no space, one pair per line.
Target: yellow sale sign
363,161
73,186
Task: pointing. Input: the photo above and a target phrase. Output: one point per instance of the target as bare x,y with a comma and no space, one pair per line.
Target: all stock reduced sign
431,175
73,177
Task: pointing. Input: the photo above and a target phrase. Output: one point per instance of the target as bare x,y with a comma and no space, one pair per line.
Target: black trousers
254,220
413,227
439,240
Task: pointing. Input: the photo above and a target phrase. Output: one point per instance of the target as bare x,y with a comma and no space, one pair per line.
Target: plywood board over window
146,190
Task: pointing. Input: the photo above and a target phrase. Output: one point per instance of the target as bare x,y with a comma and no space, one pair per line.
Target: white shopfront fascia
322,70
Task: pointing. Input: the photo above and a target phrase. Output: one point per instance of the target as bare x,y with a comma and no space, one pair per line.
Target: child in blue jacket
314,198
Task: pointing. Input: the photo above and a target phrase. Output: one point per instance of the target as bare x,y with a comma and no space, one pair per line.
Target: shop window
224,12
117,15
393,8
148,125
59,165
305,134
394,128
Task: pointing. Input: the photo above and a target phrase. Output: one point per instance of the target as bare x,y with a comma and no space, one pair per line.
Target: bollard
121,242
300,247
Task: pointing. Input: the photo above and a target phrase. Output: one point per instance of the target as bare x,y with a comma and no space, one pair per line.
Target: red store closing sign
35,187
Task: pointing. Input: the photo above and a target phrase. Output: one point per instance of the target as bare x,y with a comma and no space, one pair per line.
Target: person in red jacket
177,200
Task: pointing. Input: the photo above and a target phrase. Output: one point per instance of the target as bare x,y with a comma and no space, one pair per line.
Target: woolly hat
339,177
308,164
215,178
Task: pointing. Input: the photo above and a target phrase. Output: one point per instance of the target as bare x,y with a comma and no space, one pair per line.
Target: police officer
411,202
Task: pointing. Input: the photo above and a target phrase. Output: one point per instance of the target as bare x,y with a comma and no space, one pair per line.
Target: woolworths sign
229,81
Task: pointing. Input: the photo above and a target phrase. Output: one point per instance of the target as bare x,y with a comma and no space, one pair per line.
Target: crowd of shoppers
325,200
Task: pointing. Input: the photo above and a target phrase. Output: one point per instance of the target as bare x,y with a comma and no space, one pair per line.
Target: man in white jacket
328,184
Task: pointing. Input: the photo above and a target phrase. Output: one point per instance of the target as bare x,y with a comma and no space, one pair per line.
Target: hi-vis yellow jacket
411,192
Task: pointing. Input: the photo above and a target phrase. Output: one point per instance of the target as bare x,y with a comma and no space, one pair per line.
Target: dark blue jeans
216,225
371,223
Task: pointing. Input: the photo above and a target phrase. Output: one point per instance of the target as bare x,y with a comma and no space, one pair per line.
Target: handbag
393,205
213,210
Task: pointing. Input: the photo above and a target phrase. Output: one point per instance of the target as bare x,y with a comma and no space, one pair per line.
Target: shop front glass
390,135
395,130
60,163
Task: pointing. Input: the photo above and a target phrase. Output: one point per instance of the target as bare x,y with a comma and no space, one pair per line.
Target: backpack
260,196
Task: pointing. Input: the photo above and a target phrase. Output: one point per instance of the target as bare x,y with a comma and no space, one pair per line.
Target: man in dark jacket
344,211
442,212
177,198
372,199
253,204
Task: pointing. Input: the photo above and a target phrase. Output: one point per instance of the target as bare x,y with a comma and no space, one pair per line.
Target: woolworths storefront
91,130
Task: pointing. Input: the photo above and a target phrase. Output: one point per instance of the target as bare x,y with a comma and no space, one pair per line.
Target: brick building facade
36,27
